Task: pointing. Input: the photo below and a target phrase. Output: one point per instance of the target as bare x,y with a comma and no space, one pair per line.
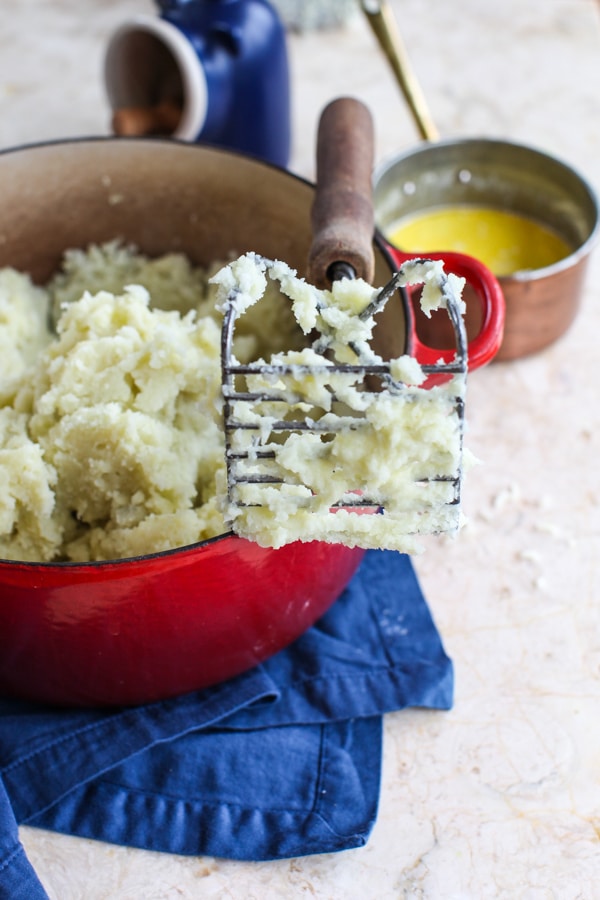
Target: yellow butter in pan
506,242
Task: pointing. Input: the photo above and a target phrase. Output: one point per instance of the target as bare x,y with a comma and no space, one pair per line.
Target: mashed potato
111,422
111,441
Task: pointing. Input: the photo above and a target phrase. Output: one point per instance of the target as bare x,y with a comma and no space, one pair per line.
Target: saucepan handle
483,289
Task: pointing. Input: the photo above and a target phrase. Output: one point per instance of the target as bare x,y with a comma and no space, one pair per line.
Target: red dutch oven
132,631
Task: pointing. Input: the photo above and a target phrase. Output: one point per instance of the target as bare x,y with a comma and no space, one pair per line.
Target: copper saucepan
500,175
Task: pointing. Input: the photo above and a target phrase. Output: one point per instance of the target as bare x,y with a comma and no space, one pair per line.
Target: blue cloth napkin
281,761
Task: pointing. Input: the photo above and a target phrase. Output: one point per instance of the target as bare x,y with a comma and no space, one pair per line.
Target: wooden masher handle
342,213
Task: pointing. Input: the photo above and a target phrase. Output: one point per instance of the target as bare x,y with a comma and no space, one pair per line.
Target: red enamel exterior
133,631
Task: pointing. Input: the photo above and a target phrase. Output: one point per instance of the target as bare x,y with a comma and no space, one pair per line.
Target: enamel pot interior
137,630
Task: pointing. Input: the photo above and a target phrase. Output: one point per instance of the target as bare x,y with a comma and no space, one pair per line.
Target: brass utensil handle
381,18
342,213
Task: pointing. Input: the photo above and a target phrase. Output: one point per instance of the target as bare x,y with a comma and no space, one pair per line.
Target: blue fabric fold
18,880
281,761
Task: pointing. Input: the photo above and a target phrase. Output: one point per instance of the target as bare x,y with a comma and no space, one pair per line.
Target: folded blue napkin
281,761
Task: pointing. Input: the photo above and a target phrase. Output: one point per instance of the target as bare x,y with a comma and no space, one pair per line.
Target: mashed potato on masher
332,442
111,411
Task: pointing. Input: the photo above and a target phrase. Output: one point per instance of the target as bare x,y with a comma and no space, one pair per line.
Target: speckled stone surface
500,797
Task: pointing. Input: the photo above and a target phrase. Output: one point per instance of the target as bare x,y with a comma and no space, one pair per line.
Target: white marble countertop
499,797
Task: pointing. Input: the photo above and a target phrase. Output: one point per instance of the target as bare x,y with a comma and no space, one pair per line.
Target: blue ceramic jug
214,71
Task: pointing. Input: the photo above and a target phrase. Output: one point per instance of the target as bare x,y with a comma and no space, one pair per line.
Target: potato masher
272,405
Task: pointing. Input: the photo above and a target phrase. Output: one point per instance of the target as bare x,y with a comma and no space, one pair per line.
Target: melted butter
505,242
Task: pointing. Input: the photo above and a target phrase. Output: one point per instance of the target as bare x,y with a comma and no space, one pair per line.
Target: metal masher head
315,438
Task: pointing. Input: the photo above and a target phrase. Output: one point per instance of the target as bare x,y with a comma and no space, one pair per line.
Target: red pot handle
485,344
